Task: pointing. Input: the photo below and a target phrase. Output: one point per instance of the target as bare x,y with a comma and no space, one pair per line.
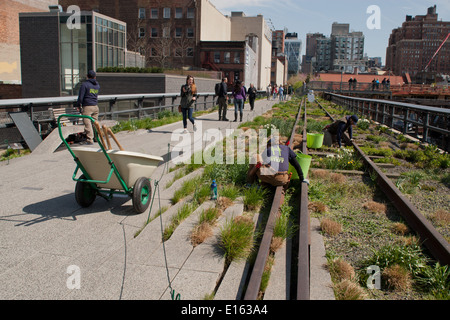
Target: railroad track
438,247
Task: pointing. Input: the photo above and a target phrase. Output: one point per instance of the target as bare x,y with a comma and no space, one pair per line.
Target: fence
429,124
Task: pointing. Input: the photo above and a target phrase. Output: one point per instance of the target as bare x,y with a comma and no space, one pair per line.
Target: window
141,32
227,57
190,52
141,13
216,57
154,13
178,52
237,57
154,32
178,13
191,13
178,32
190,32
166,14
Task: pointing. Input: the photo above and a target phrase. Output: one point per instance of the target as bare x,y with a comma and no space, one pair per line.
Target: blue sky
317,16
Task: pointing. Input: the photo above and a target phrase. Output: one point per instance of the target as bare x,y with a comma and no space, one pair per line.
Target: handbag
179,108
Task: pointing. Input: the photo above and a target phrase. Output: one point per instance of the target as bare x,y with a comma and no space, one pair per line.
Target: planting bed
360,225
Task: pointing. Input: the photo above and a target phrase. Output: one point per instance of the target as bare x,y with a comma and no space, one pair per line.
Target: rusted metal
303,275
254,283
429,236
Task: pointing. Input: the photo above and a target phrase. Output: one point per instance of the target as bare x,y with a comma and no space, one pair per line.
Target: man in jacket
335,131
88,102
223,100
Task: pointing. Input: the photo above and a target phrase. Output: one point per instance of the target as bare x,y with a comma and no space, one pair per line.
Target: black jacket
88,95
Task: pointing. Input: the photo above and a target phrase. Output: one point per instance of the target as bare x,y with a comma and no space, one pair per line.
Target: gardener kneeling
272,168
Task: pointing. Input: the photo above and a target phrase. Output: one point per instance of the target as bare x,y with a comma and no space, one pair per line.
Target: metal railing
429,124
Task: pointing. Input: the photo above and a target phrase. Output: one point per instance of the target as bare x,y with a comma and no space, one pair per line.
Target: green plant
435,280
236,238
182,213
254,197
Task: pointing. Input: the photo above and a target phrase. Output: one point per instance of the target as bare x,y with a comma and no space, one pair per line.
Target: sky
304,17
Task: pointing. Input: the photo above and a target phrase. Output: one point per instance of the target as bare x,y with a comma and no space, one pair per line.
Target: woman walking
239,98
188,97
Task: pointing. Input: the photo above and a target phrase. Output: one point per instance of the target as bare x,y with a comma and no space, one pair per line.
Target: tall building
293,49
347,49
343,51
413,45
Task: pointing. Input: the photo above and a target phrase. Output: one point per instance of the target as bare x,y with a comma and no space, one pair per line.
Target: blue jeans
187,114
238,104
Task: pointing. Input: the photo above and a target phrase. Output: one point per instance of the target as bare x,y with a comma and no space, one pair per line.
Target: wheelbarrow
106,172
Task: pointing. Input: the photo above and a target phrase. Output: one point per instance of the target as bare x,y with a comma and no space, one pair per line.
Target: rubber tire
84,193
142,194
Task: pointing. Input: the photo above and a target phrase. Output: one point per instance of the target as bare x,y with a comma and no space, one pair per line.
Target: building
165,32
10,71
309,60
343,51
170,33
66,54
412,47
238,60
293,49
347,49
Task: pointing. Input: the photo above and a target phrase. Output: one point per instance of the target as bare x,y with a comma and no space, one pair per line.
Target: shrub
236,238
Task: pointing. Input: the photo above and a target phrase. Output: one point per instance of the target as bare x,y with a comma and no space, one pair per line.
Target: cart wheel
141,194
84,193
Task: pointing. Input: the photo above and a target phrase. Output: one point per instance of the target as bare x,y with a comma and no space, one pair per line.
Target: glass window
141,13
154,33
178,13
166,32
166,14
227,57
154,13
237,57
217,57
178,32
190,52
141,32
190,32
191,13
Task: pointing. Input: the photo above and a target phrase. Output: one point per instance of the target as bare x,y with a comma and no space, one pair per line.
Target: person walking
188,98
335,131
269,91
239,98
87,104
281,93
252,96
223,100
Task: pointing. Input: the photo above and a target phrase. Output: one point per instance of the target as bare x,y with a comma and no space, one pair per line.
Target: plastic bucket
304,161
314,140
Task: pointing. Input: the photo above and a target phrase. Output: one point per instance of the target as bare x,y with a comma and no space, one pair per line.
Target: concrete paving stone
320,279
192,285
278,287
40,276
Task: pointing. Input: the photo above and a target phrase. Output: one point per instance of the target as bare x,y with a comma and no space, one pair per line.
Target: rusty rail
303,275
254,283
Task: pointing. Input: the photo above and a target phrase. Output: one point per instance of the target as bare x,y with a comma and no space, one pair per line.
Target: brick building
412,46
164,31
9,35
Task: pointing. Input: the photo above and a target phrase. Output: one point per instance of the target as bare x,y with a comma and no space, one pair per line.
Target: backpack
217,88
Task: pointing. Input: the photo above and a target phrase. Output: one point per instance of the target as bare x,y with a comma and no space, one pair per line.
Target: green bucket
314,140
304,161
